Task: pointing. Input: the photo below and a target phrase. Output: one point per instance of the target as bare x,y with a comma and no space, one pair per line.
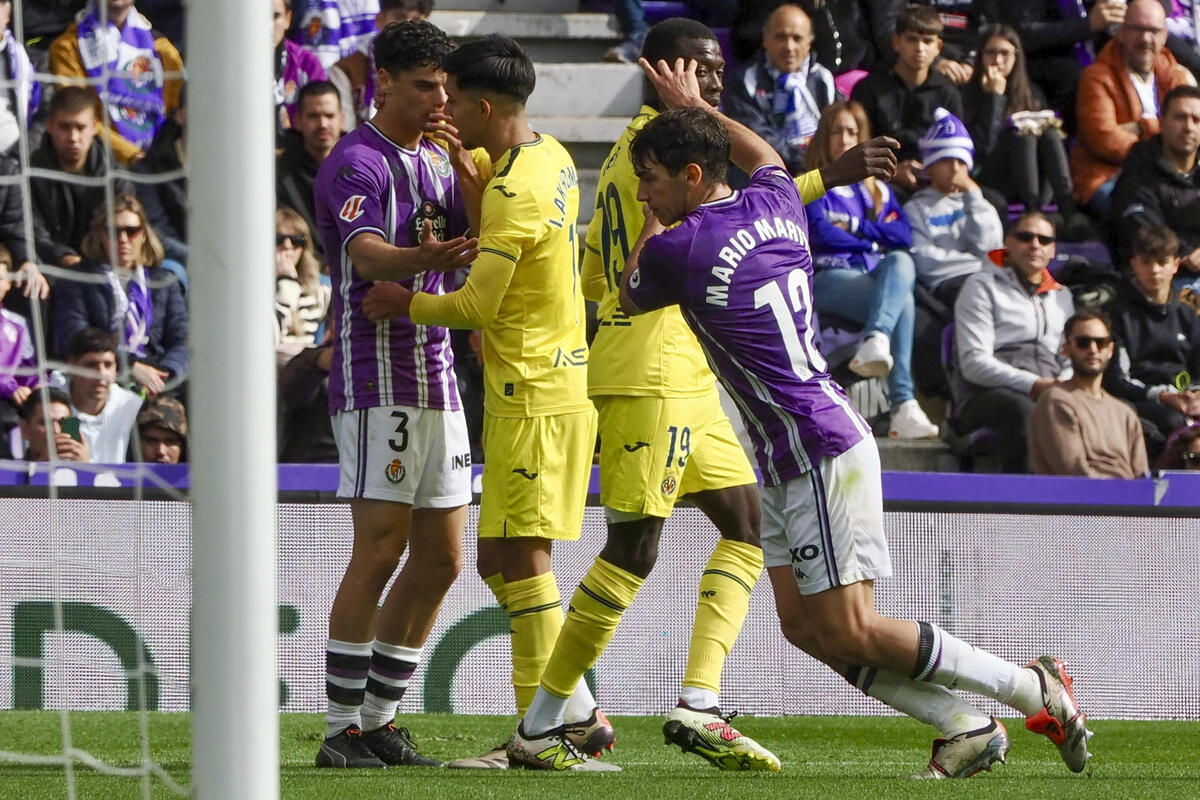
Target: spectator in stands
1160,183
849,34
18,359
162,431
631,22
33,429
166,202
134,296
295,67
1118,101
301,300
15,244
1009,321
1018,140
354,75
1076,427
1158,341
20,101
900,100
318,127
781,93
954,227
124,44
1183,33
859,236
1182,450
305,431
334,29
962,23
62,209
106,410
1061,37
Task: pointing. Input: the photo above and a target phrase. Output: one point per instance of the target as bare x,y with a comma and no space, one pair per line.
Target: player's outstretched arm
376,260
678,88
874,158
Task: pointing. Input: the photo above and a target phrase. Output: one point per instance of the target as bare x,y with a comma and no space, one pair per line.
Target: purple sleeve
355,196
656,283
776,179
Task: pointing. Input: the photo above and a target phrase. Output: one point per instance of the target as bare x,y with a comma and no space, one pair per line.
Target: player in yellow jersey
663,435
539,425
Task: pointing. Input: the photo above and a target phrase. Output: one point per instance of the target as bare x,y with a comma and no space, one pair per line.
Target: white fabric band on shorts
616,517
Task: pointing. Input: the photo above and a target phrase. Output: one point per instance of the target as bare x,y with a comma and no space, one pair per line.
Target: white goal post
231,227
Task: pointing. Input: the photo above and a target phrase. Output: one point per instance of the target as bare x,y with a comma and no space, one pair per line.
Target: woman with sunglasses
301,299
859,235
1019,145
123,288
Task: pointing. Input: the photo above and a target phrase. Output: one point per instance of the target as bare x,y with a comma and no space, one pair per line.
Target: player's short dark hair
680,137
410,44
1085,314
923,20
316,89
1178,93
91,340
34,402
665,40
423,7
73,99
494,64
1155,242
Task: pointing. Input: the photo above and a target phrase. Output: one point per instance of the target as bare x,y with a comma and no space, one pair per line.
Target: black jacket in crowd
902,112
1150,190
62,211
295,174
847,34
1154,344
165,203
12,215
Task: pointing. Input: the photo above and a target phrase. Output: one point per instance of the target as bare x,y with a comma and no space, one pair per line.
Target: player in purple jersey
739,267
391,208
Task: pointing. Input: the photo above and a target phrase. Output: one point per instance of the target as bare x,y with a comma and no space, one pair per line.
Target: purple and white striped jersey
741,271
370,183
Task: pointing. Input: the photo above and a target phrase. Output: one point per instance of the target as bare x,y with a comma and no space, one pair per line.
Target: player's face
1090,348
710,66
467,112
665,194
72,135
96,376
1030,257
787,39
844,133
414,95
916,51
320,122
160,446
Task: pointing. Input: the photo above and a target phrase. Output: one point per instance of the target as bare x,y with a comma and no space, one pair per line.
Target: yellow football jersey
524,289
654,354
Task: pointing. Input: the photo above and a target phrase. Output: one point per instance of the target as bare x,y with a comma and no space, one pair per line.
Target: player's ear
485,107
693,174
383,80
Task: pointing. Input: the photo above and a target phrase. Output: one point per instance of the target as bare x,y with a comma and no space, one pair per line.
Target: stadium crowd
1030,274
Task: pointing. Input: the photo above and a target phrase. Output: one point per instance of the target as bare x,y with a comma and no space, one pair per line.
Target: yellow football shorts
535,475
654,450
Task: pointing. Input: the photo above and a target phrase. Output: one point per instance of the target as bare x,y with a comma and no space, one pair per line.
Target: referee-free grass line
843,758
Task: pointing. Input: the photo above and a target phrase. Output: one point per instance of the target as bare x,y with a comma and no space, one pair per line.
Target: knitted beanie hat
947,138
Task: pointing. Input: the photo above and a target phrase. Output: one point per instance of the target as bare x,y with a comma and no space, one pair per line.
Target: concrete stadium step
546,37
583,90
592,130
524,6
916,455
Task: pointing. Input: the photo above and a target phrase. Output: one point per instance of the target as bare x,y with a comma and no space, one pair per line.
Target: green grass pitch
844,758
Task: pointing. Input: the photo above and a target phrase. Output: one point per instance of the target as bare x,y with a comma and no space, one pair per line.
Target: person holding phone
69,443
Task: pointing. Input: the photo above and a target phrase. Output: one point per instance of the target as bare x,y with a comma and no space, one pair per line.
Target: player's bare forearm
376,260
678,88
874,158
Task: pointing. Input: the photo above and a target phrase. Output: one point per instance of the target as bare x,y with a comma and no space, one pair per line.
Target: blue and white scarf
134,72
795,106
133,310
334,29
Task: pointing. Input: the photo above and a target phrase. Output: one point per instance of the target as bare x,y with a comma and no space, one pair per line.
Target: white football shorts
827,524
418,456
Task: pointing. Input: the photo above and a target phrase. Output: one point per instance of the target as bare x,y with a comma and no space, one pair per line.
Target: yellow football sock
725,586
595,611
498,587
535,614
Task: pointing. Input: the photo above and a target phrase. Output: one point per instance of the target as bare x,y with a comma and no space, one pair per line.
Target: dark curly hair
680,137
495,64
407,45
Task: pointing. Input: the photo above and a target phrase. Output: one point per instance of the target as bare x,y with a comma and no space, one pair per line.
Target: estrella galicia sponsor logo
439,221
394,471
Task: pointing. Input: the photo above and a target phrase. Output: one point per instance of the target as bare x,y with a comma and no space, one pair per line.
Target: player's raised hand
874,158
447,256
676,85
386,300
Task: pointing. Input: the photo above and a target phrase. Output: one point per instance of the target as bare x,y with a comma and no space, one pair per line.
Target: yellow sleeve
476,303
483,163
172,62
810,186
592,280
64,54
